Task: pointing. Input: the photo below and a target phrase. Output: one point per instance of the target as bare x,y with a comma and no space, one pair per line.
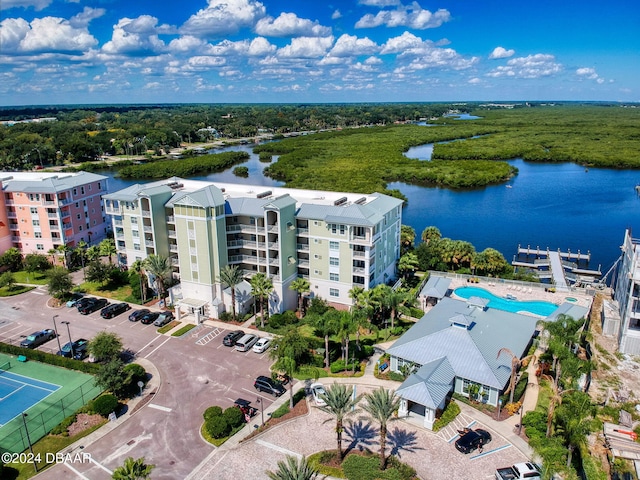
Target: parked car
136,314
163,319
81,302
114,309
231,338
317,391
74,347
38,338
265,384
93,306
81,351
246,342
148,318
520,471
74,299
472,440
261,345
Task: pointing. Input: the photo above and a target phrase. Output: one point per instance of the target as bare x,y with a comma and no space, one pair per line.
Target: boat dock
562,268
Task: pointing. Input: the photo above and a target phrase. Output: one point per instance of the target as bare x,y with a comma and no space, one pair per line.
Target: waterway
560,206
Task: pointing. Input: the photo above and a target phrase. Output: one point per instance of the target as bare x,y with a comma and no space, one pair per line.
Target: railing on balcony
67,201
246,259
357,253
149,243
273,228
65,213
172,234
119,235
304,247
147,229
173,248
48,202
12,215
274,261
52,215
360,239
66,226
303,231
303,263
9,202
273,245
174,260
242,244
359,270
118,223
241,227
15,239
171,219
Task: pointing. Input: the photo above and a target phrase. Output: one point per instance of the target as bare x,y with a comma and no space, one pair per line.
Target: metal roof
471,351
430,385
40,183
570,309
209,196
436,287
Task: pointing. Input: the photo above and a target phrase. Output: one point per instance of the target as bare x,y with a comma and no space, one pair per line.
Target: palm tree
261,287
138,268
554,401
394,300
327,325
346,326
301,286
160,268
230,276
407,237
382,405
93,253
516,363
81,247
108,248
52,252
430,233
133,470
340,403
576,421
63,250
408,264
288,351
293,469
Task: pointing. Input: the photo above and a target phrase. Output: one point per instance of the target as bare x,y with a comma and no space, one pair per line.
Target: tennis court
47,394
19,393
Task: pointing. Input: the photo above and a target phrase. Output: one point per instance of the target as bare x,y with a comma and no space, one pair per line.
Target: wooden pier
569,255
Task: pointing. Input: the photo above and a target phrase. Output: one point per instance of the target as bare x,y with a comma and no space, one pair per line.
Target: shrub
226,316
62,427
339,366
451,412
136,373
282,319
396,376
217,427
281,410
358,467
233,416
105,404
50,358
211,412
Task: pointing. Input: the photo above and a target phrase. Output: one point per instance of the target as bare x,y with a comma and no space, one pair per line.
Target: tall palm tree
52,252
93,252
381,405
516,363
430,233
261,287
160,268
138,268
408,264
133,470
301,286
108,249
63,250
230,277
293,469
407,237
327,325
346,326
81,247
340,403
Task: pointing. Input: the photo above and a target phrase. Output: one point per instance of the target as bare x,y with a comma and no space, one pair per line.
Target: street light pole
55,329
24,419
70,341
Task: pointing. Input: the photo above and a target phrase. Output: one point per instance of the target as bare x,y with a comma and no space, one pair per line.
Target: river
560,206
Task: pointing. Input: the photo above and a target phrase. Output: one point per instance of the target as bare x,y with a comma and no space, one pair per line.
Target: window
136,246
334,277
134,220
78,216
75,192
335,261
82,190
334,292
34,211
38,234
39,246
334,245
36,223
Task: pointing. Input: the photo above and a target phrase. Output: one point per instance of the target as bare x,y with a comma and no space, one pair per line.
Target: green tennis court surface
47,394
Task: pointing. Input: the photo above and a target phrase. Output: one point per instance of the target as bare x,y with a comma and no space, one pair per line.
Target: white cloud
36,4
290,25
186,43
474,81
204,62
152,86
412,16
222,17
350,45
373,61
531,66
306,47
404,42
500,52
201,86
336,15
134,36
379,3
446,58
260,46
589,74
47,34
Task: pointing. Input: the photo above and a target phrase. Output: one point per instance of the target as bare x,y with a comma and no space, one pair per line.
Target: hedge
50,358
183,330
449,414
217,427
105,404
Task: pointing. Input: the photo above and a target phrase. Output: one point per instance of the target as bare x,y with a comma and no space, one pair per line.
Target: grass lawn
121,293
36,278
15,290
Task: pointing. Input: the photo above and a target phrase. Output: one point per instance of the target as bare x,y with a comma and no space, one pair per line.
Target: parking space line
160,407
257,393
150,342
489,452
278,448
76,471
101,466
147,355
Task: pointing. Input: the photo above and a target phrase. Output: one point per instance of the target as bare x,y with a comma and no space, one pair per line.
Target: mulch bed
299,409
83,422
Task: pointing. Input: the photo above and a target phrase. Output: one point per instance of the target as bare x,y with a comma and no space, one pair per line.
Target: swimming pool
544,309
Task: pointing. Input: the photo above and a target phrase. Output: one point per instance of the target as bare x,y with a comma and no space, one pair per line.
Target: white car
261,345
318,391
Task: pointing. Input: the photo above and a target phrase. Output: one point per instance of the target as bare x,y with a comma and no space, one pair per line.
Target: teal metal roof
430,385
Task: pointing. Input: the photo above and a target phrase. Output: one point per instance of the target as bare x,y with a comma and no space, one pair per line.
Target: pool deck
504,288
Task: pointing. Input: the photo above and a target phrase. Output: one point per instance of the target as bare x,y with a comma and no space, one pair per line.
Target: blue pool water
541,308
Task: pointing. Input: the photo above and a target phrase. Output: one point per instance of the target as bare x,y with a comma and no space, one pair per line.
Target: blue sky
213,51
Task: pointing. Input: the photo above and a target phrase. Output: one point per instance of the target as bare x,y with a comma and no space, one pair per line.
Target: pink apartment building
41,211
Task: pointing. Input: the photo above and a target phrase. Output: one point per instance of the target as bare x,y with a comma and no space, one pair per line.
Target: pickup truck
38,338
519,471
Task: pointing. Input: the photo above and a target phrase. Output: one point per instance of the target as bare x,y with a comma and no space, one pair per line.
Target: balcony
15,239
303,263
358,270
65,213
174,261
147,229
274,261
303,231
149,243
110,210
242,244
173,248
12,215
273,228
241,228
119,235
360,239
48,202
171,219
246,259
357,253
302,247
52,215
172,234
67,201
118,223
146,213
9,202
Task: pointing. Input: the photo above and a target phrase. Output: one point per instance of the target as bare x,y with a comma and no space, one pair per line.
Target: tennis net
5,366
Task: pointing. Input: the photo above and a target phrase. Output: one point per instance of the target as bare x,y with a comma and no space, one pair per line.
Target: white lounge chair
530,290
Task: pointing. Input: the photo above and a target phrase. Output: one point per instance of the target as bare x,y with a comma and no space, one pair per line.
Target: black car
114,309
148,318
94,305
265,384
80,351
231,338
81,302
163,319
135,315
75,347
472,440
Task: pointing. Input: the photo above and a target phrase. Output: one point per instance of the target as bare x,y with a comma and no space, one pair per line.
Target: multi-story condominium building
40,211
335,240
624,321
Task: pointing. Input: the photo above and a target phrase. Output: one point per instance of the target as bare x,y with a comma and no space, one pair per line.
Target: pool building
454,346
